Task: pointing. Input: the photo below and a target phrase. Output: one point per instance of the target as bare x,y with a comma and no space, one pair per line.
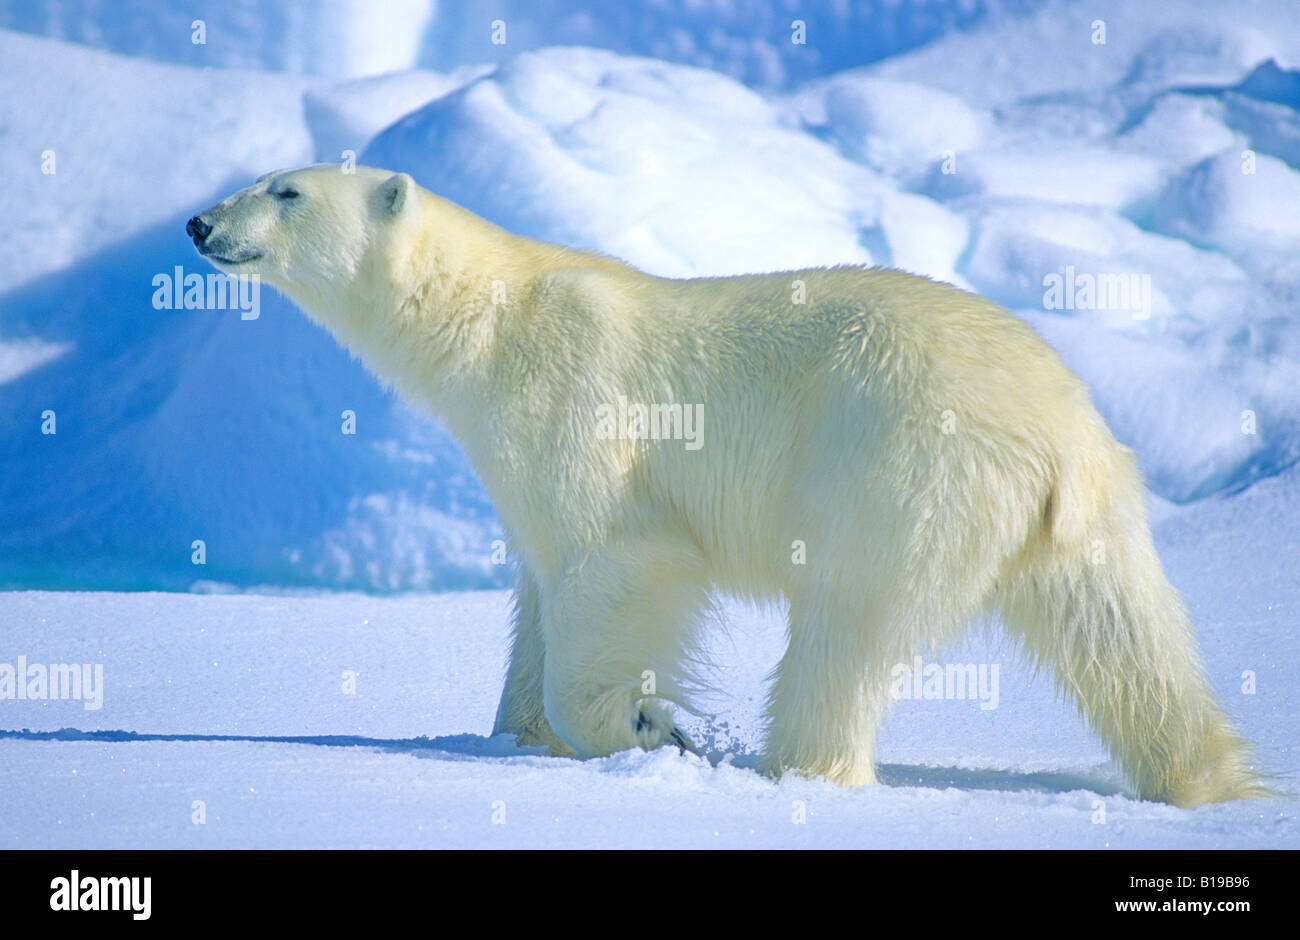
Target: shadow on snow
460,746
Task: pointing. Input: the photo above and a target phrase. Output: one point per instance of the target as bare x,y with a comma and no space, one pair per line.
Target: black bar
333,888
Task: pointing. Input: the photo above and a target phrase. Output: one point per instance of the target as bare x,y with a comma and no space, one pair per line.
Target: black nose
197,229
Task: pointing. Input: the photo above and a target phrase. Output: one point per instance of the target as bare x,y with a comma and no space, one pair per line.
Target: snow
751,40
133,143
239,701
18,357
1051,53
993,144
1215,204
344,117
875,121
626,155
318,37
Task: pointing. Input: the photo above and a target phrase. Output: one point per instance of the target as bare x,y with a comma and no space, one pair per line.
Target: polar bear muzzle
219,247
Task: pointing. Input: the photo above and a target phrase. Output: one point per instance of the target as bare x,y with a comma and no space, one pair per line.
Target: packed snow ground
238,701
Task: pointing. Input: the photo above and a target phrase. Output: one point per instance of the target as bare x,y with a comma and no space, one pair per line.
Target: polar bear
889,455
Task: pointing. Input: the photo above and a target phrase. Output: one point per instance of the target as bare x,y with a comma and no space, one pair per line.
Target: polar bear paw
655,728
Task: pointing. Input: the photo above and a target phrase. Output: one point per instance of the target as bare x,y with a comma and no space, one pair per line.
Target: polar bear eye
287,193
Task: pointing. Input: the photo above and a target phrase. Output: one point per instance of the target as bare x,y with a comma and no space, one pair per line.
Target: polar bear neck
426,306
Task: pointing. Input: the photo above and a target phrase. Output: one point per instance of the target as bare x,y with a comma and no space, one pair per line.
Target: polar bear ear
394,192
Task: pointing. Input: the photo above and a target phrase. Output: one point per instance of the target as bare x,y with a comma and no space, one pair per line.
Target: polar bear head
402,278
320,234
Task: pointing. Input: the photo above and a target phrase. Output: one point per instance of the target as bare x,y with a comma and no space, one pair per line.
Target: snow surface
238,701
990,143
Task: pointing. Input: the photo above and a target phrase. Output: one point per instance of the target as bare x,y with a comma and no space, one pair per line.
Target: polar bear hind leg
1056,541
898,567
828,694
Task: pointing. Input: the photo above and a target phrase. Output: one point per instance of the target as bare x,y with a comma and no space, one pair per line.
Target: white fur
825,422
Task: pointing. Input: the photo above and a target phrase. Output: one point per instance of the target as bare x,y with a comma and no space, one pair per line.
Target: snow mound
1104,48
94,148
344,117
898,128
1233,202
653,163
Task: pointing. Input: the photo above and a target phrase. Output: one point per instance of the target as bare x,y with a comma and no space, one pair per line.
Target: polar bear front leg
616,627
521,711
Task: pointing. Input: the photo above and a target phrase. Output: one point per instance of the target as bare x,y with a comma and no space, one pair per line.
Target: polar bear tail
1092,601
